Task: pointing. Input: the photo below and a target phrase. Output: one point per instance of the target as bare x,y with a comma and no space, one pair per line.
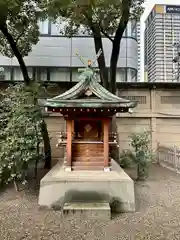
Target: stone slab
115,187
87,210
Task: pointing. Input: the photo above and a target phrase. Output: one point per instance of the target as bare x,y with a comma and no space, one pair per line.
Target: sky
148,6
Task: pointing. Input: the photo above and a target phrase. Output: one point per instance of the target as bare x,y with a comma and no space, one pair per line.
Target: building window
17,74
131,75
43,26
121,75
126,75
57,28
75,75
170,99
134,29
82,31
60,74
139,99
41,74
5,74
125,33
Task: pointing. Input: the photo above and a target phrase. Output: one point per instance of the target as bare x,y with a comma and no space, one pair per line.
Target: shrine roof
88,93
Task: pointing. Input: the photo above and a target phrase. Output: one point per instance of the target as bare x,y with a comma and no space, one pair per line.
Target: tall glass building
54,58
162,33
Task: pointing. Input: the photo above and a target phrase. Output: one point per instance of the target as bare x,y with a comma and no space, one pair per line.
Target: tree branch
105,33
14,47
98,45
126,4
20,35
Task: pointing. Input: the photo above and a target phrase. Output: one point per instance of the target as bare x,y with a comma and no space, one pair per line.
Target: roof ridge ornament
90,63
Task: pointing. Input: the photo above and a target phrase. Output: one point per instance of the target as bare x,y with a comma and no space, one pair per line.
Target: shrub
140,143
126,158
20,135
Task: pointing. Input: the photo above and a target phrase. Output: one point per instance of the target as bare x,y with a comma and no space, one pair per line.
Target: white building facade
54,58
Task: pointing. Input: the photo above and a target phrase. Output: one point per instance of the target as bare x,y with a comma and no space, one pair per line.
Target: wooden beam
106,144
69,144
92,118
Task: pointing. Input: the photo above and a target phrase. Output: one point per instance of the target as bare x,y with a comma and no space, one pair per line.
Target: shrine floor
157,214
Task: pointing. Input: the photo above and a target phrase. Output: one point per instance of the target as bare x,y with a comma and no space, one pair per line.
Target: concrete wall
158,111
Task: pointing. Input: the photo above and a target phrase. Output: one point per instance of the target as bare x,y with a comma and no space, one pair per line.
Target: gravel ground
157,215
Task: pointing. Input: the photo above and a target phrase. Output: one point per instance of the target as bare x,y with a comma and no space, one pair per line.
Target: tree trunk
113,69
47,145
101,60
112,85
115,55
27,81
17,54
142,171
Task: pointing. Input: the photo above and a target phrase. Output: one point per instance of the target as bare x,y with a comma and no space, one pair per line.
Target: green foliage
127,158
20,17
80,16
141,143
96,18
20,133
143,156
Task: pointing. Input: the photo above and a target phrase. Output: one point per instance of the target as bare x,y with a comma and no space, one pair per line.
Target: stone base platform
95,211
58,187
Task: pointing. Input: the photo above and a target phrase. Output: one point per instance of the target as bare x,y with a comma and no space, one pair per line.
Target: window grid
170,99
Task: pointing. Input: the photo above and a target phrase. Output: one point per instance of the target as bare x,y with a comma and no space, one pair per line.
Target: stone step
85,210
87,150
94,155
90,163
87,168
91,159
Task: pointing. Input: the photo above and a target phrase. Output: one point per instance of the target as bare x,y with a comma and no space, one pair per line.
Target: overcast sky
148,6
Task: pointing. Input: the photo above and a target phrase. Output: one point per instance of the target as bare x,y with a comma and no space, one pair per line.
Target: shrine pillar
106,144
69,130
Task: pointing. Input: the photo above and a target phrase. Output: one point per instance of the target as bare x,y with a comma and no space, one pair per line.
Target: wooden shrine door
87,148
88,130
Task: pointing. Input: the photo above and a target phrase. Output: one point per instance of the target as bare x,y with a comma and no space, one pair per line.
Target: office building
162,29
54,58
139,52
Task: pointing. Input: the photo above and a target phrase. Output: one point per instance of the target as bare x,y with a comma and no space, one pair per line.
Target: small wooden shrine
88,109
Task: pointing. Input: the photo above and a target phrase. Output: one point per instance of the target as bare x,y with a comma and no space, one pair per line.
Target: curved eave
81,104
104,94
72,93
80,88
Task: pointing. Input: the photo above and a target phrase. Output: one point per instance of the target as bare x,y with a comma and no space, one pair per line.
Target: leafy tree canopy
77,14
97,18
18,23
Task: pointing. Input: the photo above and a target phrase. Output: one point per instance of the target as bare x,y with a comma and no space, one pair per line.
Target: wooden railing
169,157
62,138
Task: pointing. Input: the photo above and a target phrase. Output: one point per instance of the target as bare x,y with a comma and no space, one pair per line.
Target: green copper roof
88,82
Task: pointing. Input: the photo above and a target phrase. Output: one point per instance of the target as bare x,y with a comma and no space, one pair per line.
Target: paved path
157,215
